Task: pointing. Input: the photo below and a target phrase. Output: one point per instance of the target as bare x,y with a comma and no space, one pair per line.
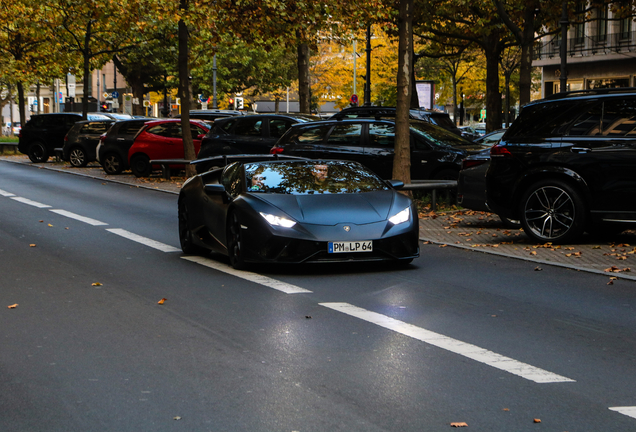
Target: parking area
476,231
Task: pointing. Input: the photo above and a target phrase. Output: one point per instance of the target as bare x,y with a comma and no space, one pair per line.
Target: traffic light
231,106
105,107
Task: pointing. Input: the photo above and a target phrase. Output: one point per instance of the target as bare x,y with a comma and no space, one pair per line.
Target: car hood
333,209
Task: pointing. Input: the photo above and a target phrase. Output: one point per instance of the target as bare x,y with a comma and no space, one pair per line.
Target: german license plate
348,247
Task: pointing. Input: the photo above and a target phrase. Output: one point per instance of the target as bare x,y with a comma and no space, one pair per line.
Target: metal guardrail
433,186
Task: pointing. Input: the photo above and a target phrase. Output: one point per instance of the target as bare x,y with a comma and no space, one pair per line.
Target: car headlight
401,217
278,221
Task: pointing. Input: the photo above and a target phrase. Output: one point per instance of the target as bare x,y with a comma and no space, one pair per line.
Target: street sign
115,94
71,89
106,95
354,99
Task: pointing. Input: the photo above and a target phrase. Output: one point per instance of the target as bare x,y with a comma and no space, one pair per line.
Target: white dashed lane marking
80,218
453,345
143,240
629,411
6,194
29,202
252,277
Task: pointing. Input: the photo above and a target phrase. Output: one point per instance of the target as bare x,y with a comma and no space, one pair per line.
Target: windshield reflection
311,177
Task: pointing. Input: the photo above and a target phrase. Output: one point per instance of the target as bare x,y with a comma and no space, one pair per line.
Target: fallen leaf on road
443,245
41,221
537,420
50,225
459,424
538,269
13,306
96,284
162,301
177,418
506,409
32,245
533,253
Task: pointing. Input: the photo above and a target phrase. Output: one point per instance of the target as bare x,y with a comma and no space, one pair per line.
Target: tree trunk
87,70
303,79
184,94
493,95
455,110
402,158
21,108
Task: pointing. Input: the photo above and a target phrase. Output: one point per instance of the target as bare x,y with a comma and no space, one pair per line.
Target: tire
38,153
552,211
77,157
185,235
140,165
235,242
113,164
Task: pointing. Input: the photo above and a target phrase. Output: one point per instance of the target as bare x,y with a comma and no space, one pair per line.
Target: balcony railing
587,46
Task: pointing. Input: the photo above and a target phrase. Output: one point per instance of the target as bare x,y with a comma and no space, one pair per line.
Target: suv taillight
499,150
276,150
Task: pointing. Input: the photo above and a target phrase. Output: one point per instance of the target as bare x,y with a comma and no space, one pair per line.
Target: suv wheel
552,211
113,164
140,165
38,153
77,157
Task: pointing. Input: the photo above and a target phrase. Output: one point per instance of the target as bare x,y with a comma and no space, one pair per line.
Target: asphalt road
458,337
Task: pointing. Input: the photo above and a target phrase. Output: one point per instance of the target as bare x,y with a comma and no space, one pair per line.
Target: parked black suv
251,134
568,165
435,152
112,150
81,141
43,133
434,117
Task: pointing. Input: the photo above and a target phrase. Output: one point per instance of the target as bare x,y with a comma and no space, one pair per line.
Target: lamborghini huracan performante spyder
298,211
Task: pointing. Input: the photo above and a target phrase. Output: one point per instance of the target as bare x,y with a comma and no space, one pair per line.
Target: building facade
601,53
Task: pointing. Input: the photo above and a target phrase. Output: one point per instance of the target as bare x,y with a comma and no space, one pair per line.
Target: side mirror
396,184
214,188
217,189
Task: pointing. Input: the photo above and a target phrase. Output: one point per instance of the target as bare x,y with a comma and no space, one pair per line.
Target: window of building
579,26
601,24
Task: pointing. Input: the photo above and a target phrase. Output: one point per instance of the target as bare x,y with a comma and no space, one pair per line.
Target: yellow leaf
50,225
96,284
162,301
32,245
13,306
459,424
537,420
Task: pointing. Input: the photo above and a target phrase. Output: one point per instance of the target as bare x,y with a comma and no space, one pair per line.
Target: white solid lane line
252,277
629,411
84,219
29,202
6,194
143,240
458,347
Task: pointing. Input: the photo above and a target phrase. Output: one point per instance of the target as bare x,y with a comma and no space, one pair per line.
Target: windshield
437,135
311,177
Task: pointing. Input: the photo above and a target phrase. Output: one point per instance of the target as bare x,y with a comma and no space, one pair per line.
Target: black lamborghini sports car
297,211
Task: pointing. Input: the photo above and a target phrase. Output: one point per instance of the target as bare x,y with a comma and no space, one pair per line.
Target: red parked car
162,139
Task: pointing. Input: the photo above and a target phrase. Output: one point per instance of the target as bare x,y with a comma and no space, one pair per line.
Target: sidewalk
476,231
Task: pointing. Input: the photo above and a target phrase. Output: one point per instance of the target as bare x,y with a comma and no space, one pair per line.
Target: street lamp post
214,100
367,84
563,79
